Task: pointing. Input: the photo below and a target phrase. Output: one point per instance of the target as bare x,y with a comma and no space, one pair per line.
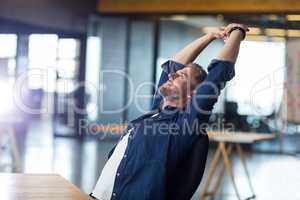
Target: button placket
123,163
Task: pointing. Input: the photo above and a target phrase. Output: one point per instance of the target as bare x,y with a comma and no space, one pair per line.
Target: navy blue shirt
160,157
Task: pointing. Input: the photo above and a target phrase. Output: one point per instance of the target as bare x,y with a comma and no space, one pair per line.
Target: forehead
190,71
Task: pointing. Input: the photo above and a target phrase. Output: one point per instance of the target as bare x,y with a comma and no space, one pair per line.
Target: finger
228,30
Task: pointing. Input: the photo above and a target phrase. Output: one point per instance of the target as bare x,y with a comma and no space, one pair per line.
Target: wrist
211,36
236,34
238,31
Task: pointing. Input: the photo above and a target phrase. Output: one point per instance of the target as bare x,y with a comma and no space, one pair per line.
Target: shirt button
118,174
114,194
125,156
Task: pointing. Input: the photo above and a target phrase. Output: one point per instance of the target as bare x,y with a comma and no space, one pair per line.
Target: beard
169,91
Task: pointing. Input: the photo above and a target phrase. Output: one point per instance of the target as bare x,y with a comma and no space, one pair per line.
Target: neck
178,103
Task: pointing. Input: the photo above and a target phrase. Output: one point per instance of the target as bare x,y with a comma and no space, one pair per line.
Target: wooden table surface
38,187
239,137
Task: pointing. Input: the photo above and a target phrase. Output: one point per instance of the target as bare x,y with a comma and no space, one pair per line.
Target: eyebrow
181,72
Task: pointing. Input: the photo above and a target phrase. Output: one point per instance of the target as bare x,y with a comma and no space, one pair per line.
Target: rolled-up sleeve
207,93
168,67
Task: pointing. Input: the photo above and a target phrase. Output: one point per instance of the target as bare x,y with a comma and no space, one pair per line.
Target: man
151,159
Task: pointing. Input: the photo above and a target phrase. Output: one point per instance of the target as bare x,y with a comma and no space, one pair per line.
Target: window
92,75
258,84
8,49
53,62
67,64
42,61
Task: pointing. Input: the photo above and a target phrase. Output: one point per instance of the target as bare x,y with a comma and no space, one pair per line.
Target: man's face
180,84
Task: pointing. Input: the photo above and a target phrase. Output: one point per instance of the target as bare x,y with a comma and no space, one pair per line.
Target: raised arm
220,71
231,48
189,53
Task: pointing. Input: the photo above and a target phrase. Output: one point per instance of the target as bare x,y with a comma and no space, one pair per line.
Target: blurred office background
67,65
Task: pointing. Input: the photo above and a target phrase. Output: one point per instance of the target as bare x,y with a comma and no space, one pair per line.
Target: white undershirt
105,184
104,187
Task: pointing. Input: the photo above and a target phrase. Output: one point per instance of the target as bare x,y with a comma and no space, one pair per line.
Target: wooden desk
38,187
226,141
239,137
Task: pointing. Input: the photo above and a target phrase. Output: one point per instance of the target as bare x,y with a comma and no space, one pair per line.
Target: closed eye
183,75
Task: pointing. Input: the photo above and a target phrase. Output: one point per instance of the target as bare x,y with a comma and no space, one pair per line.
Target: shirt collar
169,110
